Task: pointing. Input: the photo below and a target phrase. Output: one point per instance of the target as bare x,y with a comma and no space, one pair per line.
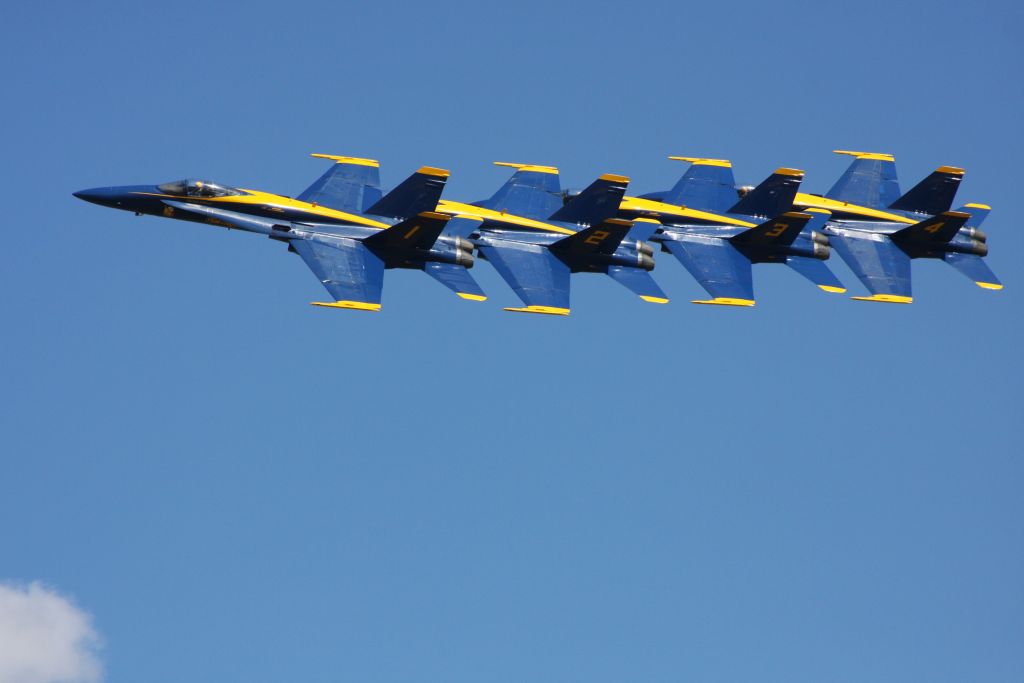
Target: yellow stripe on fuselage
468,210
651,206
809,200
274,200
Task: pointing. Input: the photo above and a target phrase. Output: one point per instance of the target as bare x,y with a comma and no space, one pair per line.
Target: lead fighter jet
342,226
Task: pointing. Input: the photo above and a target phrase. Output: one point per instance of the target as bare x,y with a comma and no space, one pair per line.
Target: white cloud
45,638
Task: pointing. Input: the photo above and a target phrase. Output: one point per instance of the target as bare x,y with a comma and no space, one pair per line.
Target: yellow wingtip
548,310
351,305
989,285
536,168
701,161
348,160
724,301
472,297
654,299
830,288
877,156
885,298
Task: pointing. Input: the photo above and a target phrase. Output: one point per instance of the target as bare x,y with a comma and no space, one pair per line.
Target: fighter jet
718,232
877,230
535,240
342,226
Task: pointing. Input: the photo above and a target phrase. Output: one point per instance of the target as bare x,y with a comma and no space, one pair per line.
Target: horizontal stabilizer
418,232
934,194
598,202
350,272
638,281
462,226
779,231
975,268
817,272
418,193
720,269
707,185
869,181
877,262
642,229
599,239
935,230
978,213
351,184
532,192
455,278
773,196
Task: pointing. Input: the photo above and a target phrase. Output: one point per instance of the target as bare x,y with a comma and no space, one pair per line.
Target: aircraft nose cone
104,196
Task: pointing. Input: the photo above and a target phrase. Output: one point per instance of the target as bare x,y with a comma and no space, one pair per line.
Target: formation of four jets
349,232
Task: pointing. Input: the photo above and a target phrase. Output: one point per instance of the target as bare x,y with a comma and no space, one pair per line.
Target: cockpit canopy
198,188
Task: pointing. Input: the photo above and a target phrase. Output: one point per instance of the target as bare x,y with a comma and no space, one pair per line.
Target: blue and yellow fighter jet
877,230
342,226
717,233
535,240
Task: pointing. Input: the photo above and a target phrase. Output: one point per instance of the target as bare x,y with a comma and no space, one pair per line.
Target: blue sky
239,486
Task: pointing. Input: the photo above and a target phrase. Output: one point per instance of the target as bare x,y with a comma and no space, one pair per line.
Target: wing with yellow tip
350,272
869,181
351,184
707,185
532,192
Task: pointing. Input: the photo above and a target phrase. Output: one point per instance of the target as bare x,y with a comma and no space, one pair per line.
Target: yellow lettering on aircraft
597,237
777,230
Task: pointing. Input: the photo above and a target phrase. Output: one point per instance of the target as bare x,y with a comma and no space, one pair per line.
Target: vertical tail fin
707,185
773,196
351,184
934,194
869,181
599,202
418,193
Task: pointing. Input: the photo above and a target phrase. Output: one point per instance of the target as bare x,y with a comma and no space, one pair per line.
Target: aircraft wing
350,184
719,268
352,274
882,266
532,192
536,275
708,185
869,181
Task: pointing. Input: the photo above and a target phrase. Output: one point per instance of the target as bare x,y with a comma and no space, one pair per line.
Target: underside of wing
719,268
536,275
352,274
883,267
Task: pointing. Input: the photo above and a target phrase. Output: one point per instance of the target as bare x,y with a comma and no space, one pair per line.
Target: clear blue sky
239,486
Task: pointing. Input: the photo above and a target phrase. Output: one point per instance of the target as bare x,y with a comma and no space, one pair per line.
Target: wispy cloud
45,638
